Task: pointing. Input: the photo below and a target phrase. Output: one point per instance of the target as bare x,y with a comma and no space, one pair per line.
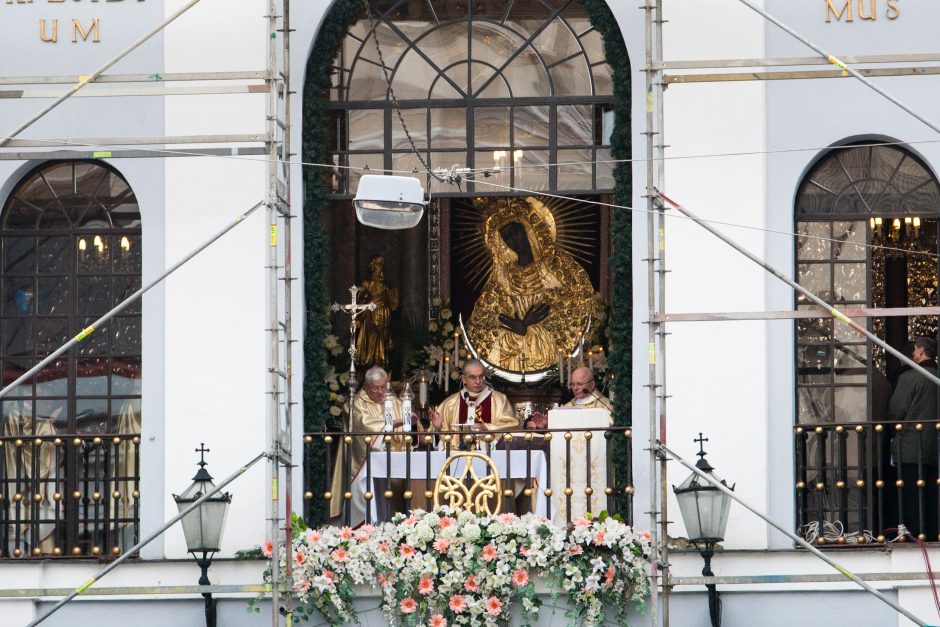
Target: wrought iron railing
867,482
559,473
69,495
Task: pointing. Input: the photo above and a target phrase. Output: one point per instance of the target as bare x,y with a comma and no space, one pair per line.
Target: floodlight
389,202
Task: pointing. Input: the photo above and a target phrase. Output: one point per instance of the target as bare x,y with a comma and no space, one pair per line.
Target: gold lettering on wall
831,11
52,38
78,29
871,10
893,11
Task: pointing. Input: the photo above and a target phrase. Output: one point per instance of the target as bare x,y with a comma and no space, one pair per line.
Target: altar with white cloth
518,466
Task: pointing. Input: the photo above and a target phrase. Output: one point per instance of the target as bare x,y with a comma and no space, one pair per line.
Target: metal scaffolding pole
658,538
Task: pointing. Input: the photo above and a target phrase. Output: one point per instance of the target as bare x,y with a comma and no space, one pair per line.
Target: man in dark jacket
913,451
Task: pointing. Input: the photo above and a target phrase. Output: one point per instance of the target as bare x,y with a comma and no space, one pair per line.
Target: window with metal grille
867,219
70,249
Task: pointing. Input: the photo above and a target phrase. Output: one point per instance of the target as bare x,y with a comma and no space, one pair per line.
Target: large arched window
70,247
520,85
867,217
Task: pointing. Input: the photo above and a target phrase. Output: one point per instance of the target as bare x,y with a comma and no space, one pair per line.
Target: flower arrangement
336,378
447,567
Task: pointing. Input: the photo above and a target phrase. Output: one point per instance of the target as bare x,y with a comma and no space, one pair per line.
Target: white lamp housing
203,527
389,202
704,507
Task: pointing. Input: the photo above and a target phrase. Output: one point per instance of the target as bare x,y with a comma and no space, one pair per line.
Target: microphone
603,401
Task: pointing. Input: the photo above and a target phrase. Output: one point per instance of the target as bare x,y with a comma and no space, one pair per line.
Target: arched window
867,217
70,249
518,85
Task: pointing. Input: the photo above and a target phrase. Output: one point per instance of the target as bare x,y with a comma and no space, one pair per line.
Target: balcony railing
559,473
69,495
860,483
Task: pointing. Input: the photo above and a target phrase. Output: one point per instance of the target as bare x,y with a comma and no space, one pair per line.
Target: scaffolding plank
863,312
133,154
160,90
671,79
136,78
793,61
98,142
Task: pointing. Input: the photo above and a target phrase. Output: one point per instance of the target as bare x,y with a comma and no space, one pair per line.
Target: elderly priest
476,403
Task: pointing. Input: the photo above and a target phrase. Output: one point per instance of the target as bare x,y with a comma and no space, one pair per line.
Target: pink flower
506,518
646,534
457,604
520,578
408,605
582,522
425,586
471,584
300,558
345,533
328,574
441,545
437,621
410,520
489,553
385,581
360,536
340,555
524,550
302,586
494,606
609,576
383,547
599,537
576,550
313,536
406,550
446,521
267,548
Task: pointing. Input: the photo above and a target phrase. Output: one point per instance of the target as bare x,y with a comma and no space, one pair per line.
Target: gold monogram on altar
537,299
468,490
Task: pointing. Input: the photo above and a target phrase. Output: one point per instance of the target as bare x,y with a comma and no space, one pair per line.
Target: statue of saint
372,339
537,299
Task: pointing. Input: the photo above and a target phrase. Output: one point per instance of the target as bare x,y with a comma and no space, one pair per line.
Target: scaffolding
275,146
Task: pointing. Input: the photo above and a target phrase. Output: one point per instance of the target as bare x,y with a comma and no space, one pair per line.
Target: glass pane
594,46
814,364
814,330
532,170
91,415
813,242
97,342
407,164
605,169
125,376
92,377
19,297
413,78
444,89
851,282
17,334
816,278
557,42
358,164
53,379
851,363
123,287
18,255
448,159
497,88
367,129
391,44
18,416
55,411
20,215
491,126
572,78
53,254
574,125
527,77
94,295
530,126
851,404
127,253
417,122
814,405
93,254
575,169
850,238
51,333
446,46
53,295
844,333
125,415
449,128
126,335
367,82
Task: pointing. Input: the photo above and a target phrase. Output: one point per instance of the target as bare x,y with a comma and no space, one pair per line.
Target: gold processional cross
353,309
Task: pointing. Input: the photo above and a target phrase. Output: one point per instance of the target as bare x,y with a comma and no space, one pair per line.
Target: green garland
315,140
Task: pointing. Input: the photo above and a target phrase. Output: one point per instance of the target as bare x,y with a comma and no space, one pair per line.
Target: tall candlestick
561,368
389,408
456,347
406,397
591,360
446,373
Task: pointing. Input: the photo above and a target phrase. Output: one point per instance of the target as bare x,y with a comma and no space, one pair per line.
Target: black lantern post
203,527
704,511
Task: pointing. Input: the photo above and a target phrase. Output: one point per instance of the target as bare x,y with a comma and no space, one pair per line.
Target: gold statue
537,300
372,340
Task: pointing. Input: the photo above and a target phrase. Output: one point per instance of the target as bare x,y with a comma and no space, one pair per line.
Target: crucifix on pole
353,309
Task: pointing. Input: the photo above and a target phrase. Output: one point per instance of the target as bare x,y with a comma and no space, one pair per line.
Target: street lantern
203,526
704,510
389,202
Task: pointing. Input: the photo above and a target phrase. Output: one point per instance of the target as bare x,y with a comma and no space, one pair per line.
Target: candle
389,408
570,363
446,373
406,398
440,369
561,368
591,360
456,347
423,392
